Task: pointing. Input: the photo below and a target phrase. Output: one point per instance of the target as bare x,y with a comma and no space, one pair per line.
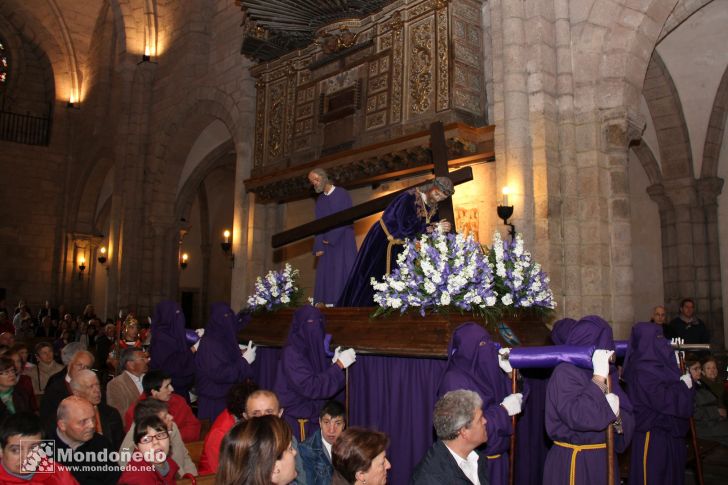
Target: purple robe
218,362
473,365
577,413
334,265
406,216
662,405
169,351
561,330
306,378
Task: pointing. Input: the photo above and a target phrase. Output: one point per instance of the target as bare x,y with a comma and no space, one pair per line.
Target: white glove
197,345
503,360
613,401
678,341
513,403
347,357
200,332
687,380
249,354
600,362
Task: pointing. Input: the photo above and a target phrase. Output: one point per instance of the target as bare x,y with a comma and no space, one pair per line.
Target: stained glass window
3,63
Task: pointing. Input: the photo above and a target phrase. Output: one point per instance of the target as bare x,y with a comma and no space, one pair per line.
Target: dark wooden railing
26,129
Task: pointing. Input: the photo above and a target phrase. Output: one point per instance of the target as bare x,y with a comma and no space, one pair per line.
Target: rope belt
302,428
644,458
392,241
575,449
493,457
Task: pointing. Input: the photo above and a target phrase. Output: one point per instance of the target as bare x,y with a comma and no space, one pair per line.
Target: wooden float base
408,335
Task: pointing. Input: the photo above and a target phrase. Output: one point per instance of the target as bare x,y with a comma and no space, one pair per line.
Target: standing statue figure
335,249
410,214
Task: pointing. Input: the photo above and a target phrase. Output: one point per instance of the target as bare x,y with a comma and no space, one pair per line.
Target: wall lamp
101,258
227,245
183,260
505,212
81,266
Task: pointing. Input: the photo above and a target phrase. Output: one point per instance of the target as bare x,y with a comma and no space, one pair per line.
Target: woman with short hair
359,457
13,399
151,462
257,451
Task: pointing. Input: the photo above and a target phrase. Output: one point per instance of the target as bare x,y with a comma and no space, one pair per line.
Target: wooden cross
348,216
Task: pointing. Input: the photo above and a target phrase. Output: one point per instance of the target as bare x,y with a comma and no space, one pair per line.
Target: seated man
124,389
85,384
234,411
76,437
180,454
316,450
59,385
158,385
460,428
260,403
20,436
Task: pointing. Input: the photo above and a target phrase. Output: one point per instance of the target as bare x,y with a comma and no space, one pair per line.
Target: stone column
709,188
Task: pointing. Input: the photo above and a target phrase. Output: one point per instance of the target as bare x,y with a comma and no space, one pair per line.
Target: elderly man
335,248
659,315
460,428
316,450
124,389
687,326
59,388
411,214
20,438
85,384
76,437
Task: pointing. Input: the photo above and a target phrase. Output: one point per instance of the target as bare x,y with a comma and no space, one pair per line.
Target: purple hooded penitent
306,378
561,330
578,413
169,350
218,362
473,364
662,405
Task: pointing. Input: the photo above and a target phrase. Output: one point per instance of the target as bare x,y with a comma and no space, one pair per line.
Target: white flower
490,301
507,299
445,298
285,299
429,287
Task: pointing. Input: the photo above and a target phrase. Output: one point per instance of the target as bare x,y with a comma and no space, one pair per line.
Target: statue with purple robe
335,248
218,361
579,410
663,404
306,378
412,213
473,365
169,351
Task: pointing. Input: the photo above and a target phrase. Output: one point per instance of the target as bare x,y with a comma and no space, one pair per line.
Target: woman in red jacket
150,463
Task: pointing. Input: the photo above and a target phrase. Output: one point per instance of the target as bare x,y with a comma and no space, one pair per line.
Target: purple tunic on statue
218,361
334,265
306,378
577,413
169,351
407,216
473,365
662,405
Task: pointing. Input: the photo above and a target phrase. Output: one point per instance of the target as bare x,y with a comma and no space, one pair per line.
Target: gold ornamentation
443,65
259,123
276,121
395,111
396,23
421,68
376,120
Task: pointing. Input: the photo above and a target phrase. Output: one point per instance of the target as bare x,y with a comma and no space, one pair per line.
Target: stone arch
83,208
649,163
667,115
716,129
682,11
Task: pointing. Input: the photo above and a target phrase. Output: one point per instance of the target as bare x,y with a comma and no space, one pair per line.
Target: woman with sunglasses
151,462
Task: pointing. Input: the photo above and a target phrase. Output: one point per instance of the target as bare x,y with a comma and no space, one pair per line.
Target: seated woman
149,408
151,463
710,418
13,399
158,385
714,383
258,451
359,457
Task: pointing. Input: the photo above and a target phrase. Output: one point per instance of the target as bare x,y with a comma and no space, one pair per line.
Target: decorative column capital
658,194
709,188
621,127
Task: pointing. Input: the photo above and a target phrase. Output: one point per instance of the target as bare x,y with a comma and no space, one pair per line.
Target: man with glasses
316,450
124,389
80,447
59,387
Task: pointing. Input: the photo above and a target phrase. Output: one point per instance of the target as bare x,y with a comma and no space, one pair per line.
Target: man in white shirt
125,388
460,428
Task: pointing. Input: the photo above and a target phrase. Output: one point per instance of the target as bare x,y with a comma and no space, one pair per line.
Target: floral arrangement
438,272
441,272
519,281
278,289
